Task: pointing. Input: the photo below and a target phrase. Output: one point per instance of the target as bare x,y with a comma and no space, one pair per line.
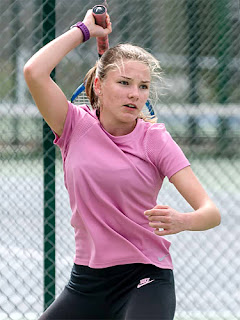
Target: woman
115,161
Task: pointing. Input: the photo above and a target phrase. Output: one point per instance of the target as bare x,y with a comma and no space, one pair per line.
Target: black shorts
133,291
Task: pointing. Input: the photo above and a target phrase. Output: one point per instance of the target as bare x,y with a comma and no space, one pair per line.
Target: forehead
131,69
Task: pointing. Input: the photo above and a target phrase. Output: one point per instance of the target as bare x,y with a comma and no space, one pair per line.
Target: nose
133,93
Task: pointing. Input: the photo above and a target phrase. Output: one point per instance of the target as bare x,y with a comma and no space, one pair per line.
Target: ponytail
89,87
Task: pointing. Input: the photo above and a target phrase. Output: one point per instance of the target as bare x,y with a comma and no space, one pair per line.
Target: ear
97,86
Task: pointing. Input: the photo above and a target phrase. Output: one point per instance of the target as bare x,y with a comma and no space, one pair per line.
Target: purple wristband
84,29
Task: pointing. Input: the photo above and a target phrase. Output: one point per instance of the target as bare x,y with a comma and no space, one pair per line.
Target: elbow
214,217
217,217
205,219
34,73
30,72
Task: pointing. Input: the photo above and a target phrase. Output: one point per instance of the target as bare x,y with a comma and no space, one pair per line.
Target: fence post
15,48
48,16
193,55
223,53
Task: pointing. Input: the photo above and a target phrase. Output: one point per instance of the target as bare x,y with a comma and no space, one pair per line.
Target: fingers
165,220
94,29
108,29
162,210
89,16
158,217
160,223
162,232
109,24
162,218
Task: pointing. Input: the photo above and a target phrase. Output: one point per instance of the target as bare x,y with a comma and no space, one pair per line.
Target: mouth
130,106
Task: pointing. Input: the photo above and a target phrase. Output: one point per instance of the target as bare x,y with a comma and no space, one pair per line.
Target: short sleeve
165,152
74,115
172,158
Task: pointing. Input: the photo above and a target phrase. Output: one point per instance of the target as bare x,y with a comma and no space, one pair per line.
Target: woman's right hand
94,29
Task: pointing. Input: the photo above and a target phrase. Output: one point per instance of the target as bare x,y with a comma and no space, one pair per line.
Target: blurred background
198,45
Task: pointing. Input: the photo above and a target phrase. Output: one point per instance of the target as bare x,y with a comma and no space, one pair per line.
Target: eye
144,86
124,82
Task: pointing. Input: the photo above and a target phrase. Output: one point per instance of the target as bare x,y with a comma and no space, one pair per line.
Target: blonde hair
112,59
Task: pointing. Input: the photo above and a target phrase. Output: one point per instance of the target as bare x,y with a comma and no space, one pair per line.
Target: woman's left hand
165,218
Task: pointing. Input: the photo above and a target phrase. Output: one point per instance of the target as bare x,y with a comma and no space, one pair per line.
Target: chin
129,119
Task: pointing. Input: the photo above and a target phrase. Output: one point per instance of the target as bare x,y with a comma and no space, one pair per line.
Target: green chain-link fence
198,45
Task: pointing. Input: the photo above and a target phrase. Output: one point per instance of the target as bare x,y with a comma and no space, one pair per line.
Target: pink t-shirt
111,181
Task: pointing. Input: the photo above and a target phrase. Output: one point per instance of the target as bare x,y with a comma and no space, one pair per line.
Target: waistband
81,269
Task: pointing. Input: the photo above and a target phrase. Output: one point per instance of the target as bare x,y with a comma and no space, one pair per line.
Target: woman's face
123,93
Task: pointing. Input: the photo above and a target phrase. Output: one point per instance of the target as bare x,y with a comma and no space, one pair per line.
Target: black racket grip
99,13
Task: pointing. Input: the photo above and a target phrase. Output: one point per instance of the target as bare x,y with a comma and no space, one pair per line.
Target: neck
119,129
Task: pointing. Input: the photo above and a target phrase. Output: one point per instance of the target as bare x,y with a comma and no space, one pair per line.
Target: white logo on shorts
143,282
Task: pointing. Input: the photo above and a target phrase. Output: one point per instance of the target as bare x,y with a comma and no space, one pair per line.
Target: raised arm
49,98
205,215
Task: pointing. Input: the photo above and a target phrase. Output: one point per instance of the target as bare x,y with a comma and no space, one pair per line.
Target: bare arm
47,95
205,214
49,98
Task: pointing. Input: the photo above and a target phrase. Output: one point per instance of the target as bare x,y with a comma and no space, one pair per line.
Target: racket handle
99,13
